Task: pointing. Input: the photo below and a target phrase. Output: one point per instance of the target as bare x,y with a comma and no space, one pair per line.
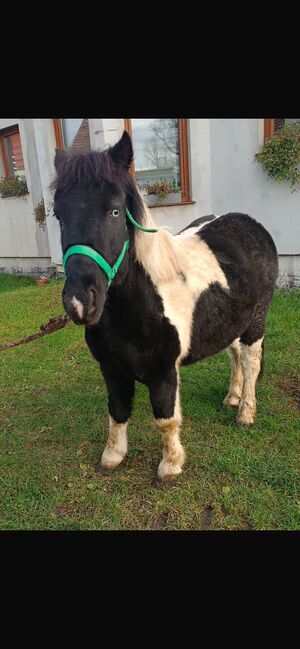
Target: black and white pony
151,302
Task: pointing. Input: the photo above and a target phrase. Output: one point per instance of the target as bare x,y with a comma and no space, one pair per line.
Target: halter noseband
110,271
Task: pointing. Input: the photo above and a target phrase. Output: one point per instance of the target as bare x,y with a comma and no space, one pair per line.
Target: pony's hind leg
251,345
251,361
120,398
165,400
236,379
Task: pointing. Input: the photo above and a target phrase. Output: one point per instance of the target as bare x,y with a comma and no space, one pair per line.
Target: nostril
92,301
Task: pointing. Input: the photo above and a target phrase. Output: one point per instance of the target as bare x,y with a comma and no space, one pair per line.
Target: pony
151,301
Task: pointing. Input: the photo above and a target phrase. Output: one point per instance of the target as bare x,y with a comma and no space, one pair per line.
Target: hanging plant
280,156
41,214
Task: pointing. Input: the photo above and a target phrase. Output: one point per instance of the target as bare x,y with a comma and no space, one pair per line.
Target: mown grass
53,427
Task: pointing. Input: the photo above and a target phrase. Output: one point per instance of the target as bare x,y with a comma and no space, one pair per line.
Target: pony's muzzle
82,306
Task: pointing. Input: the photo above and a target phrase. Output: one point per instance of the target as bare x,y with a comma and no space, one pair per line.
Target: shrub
280,156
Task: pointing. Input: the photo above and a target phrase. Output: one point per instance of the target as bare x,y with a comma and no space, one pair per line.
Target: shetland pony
151,301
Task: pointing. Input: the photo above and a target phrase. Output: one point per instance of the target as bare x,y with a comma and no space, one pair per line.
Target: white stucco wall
17,227
240,184
23,244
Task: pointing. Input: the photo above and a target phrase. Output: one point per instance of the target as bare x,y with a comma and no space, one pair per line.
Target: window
11,149
274,125
72,134
160,158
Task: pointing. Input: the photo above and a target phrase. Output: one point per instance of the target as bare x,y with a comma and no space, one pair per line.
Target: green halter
110,271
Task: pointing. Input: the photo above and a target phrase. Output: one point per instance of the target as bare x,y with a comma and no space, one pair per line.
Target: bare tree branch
164,130
152,150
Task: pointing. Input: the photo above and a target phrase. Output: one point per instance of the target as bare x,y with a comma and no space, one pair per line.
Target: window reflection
156,156
76,134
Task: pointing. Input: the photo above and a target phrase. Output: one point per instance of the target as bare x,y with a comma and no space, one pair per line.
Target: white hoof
111,458
168,470
246,413
231,400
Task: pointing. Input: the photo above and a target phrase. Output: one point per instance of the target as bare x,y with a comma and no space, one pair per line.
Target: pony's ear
122,152
60,158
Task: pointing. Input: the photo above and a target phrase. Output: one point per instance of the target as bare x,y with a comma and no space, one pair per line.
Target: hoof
168,471
246,413
245,421
231,400
102,470
160,483
157,483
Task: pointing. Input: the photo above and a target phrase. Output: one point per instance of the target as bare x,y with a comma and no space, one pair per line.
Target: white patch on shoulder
181,268
78,306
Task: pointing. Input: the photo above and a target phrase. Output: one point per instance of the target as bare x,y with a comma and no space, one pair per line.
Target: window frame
269,128
11,130
183,162
58,131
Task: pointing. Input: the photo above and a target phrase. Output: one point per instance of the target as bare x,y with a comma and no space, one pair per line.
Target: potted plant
163,192
13,186
280,156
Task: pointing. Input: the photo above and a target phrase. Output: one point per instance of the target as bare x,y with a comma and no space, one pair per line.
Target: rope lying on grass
48,328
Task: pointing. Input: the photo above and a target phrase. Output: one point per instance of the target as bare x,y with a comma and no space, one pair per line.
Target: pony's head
92,192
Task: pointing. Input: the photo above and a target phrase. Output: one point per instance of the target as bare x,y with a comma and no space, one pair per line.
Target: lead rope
48,328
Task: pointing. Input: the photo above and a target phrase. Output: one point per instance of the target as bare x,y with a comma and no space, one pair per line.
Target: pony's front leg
165,400
120,397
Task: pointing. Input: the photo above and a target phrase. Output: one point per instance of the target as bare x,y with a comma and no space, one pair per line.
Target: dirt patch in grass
291,387
77,509
64,510
205,518
161,521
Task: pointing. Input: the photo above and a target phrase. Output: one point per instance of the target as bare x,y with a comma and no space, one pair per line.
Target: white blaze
78,306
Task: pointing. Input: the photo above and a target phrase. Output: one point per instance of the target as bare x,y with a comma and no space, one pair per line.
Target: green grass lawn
53,427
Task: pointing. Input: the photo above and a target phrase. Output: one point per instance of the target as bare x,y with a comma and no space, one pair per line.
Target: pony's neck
157,252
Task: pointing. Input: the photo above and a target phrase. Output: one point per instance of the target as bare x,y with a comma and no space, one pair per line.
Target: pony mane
90,167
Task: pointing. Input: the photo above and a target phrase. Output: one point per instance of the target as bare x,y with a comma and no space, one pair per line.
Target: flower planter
172,198
13,186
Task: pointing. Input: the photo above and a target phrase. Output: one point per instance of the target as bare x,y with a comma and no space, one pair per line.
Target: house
212,160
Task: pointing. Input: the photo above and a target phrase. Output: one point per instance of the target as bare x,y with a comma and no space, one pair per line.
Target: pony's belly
218,319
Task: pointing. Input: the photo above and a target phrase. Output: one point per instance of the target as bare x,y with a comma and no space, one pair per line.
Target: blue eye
115,213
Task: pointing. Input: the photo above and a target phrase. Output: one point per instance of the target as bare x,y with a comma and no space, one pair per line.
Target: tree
153,152
164,131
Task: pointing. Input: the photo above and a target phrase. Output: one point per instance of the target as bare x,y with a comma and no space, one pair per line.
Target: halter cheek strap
109,271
